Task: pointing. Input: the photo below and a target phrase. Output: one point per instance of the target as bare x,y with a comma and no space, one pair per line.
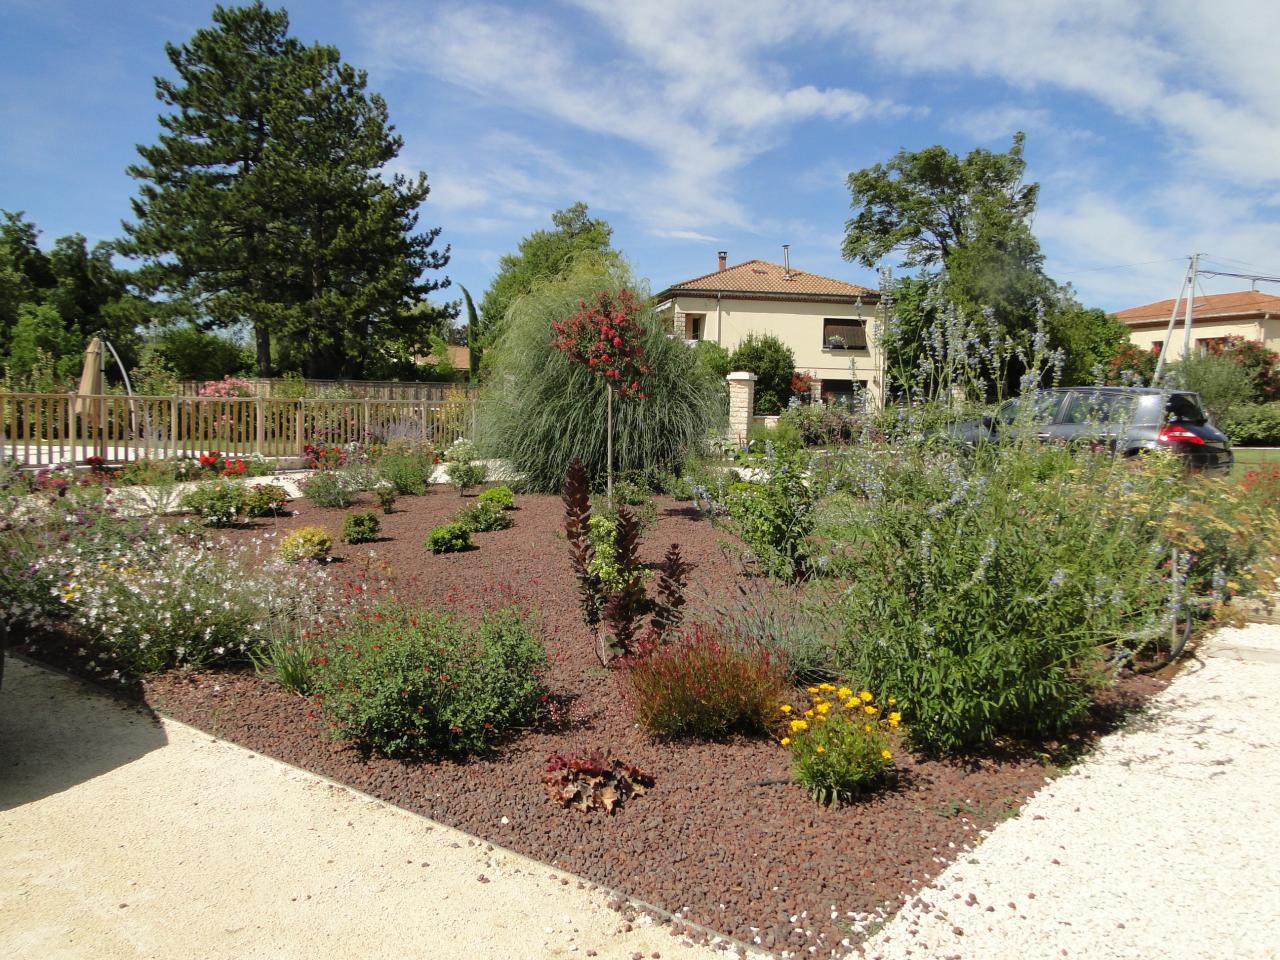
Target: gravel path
122,837
1164,843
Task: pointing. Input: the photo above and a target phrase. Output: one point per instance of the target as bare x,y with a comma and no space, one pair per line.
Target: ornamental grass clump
841,742
699,685
407,682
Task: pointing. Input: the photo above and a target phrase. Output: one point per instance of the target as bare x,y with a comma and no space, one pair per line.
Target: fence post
172,452
299,419
260,426
363,434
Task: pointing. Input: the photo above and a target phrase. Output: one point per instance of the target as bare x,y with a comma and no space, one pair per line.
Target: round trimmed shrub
501,497
217,502
450,538
361,527
308,543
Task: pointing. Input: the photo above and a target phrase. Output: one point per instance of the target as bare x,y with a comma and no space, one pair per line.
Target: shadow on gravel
57,732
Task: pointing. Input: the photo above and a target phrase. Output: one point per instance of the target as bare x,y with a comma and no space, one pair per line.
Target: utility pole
1168,334
1191,299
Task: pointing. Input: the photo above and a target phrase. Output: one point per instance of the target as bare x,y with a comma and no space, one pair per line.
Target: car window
1045,406
1101,408
1185,408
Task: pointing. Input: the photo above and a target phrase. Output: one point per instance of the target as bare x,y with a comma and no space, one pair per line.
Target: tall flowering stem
605,335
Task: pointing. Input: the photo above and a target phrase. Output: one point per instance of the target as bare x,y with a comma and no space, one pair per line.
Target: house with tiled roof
1248,313
829,324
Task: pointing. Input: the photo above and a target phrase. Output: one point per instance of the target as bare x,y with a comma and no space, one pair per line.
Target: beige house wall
798,325
1266,329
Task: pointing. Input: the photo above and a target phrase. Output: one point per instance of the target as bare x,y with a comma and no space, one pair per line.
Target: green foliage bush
1222,383
539,411
699,685
361,528
1252,424
773,363
984,593
307,543
265,500
822,425
485,517
414,681
500,497
464,476
385,493
329,488
450,538
774,515
409,473
218,502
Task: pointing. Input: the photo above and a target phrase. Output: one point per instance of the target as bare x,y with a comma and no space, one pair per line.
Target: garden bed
724,838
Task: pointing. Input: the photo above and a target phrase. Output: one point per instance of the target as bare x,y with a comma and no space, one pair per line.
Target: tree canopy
964,223
543,255
267,202
52,303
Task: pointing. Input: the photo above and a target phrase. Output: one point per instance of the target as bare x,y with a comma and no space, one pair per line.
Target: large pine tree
263,203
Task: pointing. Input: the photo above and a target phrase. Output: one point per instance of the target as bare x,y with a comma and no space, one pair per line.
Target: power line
1125,266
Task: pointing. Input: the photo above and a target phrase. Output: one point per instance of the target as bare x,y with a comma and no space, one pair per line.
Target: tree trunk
262,337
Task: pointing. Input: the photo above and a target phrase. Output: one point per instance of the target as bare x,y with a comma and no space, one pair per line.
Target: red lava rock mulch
723,838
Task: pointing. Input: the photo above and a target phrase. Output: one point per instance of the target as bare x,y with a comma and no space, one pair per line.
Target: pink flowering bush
228,386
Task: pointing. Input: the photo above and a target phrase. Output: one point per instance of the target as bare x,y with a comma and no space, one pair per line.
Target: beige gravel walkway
1164,843
122,838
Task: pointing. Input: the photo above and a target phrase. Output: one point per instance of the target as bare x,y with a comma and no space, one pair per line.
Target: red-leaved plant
700,685
593,782
623,609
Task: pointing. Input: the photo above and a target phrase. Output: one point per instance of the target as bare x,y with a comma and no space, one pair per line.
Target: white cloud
699,91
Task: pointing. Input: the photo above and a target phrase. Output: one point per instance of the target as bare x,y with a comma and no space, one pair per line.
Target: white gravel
1164,843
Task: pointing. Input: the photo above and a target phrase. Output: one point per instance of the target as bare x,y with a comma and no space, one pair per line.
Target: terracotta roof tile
761,277
1215,305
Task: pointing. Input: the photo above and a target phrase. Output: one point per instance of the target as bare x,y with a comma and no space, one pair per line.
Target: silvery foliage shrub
987,591
143,597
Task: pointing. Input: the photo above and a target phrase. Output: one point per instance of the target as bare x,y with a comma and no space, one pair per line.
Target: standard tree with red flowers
605,335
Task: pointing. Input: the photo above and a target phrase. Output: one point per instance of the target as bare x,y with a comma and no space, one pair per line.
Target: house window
693,323
844,334
845,393
1211,344
1157,346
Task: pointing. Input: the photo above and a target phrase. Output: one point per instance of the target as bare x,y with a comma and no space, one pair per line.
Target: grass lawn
1249,457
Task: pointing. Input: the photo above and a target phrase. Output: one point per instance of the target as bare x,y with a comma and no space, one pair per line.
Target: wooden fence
359,389
46,429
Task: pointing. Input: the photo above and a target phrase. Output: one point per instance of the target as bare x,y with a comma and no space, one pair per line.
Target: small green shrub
700,686
464,476
409,473
385,492
307,543
217,502
841,742
774,516
411,681
484,517
450,538
822,425
500,496
361,528
265,500
329,488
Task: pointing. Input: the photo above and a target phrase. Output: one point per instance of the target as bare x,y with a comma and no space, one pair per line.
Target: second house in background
830,325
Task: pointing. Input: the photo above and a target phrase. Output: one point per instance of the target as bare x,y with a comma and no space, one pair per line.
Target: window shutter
852,332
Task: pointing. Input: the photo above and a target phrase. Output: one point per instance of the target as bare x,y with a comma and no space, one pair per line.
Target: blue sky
1153,127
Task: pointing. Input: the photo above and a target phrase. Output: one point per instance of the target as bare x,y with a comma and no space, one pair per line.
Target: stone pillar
815,391
742,398
677,322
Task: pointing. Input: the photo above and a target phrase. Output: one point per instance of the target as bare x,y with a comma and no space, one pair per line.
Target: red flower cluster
215,462
605,335
323,458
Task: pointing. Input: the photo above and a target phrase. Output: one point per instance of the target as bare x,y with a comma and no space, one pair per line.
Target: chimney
786,261
724,258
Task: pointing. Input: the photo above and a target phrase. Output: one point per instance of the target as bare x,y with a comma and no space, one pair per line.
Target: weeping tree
540,409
